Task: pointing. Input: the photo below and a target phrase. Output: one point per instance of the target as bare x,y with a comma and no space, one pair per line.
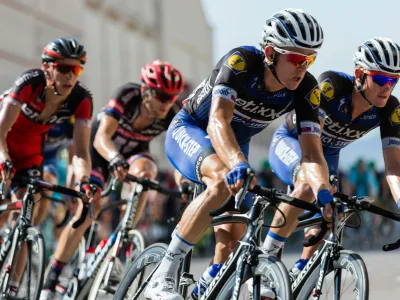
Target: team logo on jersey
314,97
395,117
327,90
236,63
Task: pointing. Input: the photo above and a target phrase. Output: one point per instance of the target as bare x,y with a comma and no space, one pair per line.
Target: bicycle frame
120,234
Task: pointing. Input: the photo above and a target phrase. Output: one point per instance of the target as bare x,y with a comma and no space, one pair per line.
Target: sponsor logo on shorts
187,145
285,153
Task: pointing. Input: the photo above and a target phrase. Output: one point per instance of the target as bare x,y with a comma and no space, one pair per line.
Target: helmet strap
271,67
359,86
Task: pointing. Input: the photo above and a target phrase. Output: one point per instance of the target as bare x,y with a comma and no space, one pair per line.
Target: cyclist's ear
269,54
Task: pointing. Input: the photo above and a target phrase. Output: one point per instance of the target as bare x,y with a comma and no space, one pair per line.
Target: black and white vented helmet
293,28
379,54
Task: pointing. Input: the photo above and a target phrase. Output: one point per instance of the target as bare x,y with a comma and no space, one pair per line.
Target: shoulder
127,92
392,110
82,91
333,83
33,76
241,59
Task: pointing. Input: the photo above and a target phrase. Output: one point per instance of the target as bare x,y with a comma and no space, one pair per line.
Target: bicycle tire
36,249
135,237
151,255
347,260
267,265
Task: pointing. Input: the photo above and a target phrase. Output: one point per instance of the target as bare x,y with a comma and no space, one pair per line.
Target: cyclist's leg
72,234
50,174
190,151
142,165
227,235
284,157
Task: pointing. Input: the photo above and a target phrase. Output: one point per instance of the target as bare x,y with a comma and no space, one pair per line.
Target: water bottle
205,280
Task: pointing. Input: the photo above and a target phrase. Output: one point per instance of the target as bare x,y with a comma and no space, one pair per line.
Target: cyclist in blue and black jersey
208,140
351,106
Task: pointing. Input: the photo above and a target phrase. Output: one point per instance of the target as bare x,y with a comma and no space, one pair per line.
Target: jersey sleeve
329,84
119,100
27,87
390,124
234,68
307,98
85,108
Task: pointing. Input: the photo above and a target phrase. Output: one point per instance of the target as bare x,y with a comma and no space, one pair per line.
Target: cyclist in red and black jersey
135,114
38,100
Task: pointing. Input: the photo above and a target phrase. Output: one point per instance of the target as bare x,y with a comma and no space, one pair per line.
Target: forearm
394,185
106,147
225,144
3,149
82,165
316,172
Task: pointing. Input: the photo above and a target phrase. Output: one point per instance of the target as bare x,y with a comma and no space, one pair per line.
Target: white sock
273,243
176,252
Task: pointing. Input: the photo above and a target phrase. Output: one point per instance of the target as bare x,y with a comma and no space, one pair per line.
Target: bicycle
332,258
245,262
24,233
99,275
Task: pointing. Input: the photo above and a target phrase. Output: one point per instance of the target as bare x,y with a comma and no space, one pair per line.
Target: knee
217,189
303,191
144,168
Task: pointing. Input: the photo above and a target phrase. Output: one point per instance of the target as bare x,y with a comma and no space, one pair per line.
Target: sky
346,25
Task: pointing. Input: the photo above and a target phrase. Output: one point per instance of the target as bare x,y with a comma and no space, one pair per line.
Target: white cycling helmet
293,28
379,54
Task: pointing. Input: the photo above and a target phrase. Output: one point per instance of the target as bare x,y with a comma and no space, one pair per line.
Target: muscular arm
8,115
102,142
313,162
392,164
221,134
81,160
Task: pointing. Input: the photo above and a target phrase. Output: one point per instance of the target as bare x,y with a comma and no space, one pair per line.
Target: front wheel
113,269
142,268
272,271
346,278
31,283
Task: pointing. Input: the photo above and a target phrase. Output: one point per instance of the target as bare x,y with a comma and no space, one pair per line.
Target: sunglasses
66,69
382,79
298,59
163,97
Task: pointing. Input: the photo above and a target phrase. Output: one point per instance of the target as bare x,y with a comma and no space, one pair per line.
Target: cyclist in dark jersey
208,141
351,106
120,135
39,100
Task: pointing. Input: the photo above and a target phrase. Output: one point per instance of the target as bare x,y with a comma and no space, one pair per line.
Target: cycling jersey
25,140
335,109
239,78
339,129
124,106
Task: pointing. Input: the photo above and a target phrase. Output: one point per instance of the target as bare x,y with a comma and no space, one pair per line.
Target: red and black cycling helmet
163,78
64,48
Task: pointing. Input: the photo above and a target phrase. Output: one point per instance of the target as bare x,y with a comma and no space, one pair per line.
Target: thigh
50,169
285,155
187,146
30,167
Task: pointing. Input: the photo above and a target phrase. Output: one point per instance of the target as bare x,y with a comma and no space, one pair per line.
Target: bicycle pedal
186,279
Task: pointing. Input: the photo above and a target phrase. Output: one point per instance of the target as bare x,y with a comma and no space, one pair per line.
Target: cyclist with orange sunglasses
208,141
39,100
351,106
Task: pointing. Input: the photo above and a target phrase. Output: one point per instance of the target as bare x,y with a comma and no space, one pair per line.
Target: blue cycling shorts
50,165
187,145
285,156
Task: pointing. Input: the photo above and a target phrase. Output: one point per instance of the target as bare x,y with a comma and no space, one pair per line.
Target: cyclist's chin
380,101
292,84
